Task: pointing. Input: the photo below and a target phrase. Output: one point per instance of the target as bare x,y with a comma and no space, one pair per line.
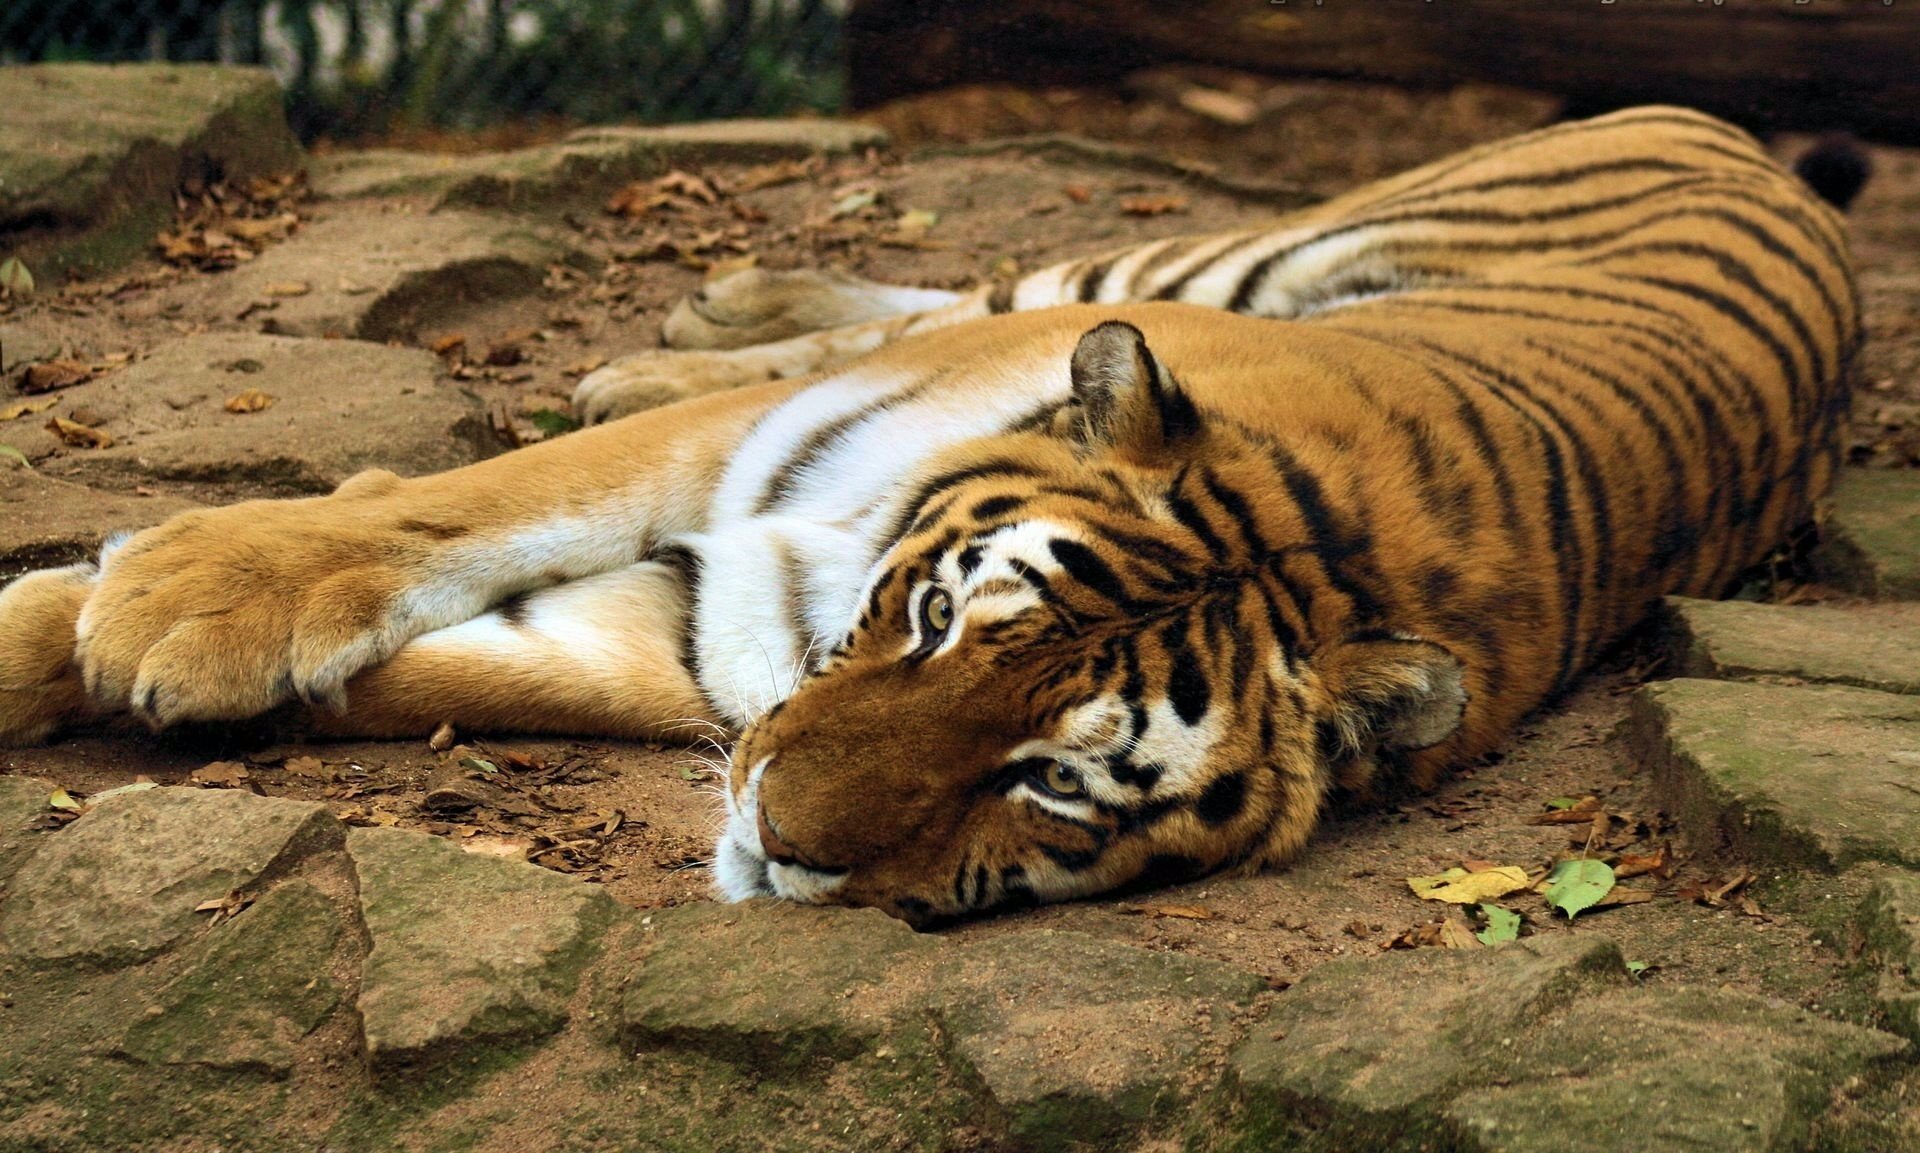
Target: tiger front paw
652,379
41,690
754,306
222,614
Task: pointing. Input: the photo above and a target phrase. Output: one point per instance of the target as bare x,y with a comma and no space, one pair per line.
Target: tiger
1112,575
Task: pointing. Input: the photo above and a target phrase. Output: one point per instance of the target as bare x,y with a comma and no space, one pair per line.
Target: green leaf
8,452
1563,802
1502,925
484,766
552,423
15,280
1577,885
1635,968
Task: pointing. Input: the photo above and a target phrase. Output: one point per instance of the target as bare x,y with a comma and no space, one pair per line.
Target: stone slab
586,166
254,987
1079,1040
120,884
465,948
90,154
382,276
339,406
22,799
809,991
46,522
1872,543
1874,648
1786,776
1889,922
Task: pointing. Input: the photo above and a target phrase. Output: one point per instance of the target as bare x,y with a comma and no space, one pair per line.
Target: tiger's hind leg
602,655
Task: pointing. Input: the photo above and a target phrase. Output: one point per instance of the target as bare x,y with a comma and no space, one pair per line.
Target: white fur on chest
780,580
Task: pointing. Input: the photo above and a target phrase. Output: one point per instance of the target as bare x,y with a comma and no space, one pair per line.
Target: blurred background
480,72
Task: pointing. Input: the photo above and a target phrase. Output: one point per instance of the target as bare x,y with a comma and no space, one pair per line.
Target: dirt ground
640,819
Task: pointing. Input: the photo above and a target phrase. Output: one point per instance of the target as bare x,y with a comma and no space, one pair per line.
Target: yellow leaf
252,400
62,799
27,408
1459,887
78,435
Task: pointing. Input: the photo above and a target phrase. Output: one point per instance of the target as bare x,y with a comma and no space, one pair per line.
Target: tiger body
1112,574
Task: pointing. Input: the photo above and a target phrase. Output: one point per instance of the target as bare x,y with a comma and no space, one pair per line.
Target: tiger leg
40,685
602,655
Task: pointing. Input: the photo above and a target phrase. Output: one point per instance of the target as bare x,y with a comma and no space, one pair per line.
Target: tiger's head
1080,666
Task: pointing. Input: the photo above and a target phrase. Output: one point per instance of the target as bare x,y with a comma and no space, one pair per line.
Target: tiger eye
937,611
1062,781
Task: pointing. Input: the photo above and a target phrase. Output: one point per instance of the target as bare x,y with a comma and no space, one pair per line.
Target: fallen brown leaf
49,375
307,767
252,400
27,408
220,775
78,435
224,908
1659,863
1153,205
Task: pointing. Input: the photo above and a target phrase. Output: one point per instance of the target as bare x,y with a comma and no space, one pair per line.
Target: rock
254,987
22,800
90,154
1785,776
1082,1041
55,522
1669,1068
381,277
465,948
1872,544
1889,922
120,884
1875,649
339,406
767,986
586,166
1540,1046
1369,1048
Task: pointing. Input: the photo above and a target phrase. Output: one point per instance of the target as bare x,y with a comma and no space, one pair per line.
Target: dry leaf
220,775
1153,205
1078,193
1459,887
27,408
252,400
53,374
307,767
1177,912
1659,863
287,288
224,908
78,435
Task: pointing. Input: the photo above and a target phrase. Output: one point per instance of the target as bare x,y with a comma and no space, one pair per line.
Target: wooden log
1801,64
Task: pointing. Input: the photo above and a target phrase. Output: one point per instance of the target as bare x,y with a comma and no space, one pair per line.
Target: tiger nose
776,849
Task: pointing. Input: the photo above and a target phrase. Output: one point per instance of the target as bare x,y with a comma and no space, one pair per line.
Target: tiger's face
1070,675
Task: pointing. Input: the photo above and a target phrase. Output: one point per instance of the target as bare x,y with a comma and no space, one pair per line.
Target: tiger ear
1126,397
1391,692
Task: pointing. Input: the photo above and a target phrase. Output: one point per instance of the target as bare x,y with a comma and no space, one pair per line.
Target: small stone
1875,647
1785,776
1872,543
121,883
342,406
466,947
254,987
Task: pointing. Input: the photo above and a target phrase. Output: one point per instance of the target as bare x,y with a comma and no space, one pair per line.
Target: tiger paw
222,614
754,306
651,379
41,689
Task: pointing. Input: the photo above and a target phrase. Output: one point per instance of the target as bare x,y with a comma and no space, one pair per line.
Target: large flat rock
1873,535
1876,647
339,406
382,276
465,949
1538,1046
22,799
585,166
1787,776
90,154
121,883
253,987
46,522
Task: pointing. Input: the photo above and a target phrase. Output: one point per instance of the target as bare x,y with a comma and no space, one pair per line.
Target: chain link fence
355,68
